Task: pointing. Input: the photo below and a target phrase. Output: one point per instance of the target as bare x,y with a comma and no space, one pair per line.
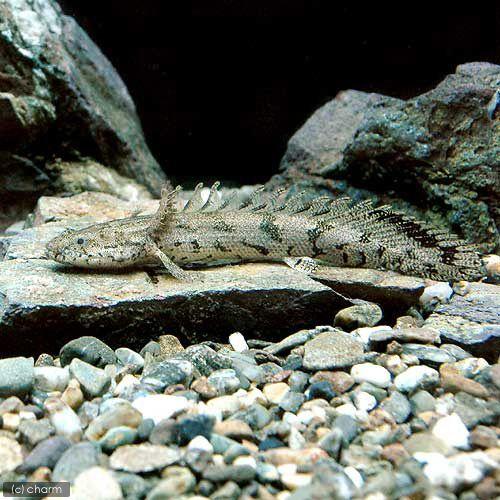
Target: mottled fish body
297,231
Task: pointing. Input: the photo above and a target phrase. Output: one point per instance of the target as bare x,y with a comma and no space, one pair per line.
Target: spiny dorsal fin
255,202
166,209
196,201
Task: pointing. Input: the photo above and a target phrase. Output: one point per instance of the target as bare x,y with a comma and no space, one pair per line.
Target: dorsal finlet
196,200
213,201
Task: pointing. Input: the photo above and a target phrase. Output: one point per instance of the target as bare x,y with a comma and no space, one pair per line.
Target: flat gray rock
45,305
472,320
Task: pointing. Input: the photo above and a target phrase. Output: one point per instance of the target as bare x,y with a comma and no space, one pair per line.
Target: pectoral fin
172,268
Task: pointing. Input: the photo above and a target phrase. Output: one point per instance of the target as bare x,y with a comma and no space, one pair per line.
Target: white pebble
460,470
126,383
437,293
347,409
51,378
238,342
452,431
251,397
96,483
63,418
354,476
364,401
374,374
200,443
227,405
276,392
416,377
161,406
245,460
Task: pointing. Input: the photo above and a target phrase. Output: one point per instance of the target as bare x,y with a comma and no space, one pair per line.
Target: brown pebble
484,437
422,335
40,474
452,381
280,456
169,345
341,381
495,375
174,388
203,387
395,453
487,489
235,429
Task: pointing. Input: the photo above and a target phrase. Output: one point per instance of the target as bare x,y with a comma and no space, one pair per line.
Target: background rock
436,156
60,96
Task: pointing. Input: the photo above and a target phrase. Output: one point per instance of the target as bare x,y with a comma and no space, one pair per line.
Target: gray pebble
16,376
88,349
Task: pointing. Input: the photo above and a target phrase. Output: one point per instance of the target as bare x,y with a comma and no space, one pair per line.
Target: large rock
436,156
59,95
43,305
471,319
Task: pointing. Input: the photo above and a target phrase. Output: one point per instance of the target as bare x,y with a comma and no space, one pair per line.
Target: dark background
221,85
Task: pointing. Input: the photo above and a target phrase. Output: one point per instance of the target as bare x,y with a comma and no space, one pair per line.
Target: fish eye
80,241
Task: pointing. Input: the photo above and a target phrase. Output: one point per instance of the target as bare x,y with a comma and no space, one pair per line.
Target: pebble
438,293
227,405
484,437
322,389
237,473
364,401
74,460
416,377
45,454
234,429
161,374
428,354
340,381
88,349
205,359
64,420
96,483
11,455
170,345
452,431
358,316
331,350
51,378
224,381
238,342
117,436
398,406
292,401
31,432
143,457
73,395
17,376
422,401
458,471
130,358
160,406
275,393
194,426
453,381
176,482
374,374
93,381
